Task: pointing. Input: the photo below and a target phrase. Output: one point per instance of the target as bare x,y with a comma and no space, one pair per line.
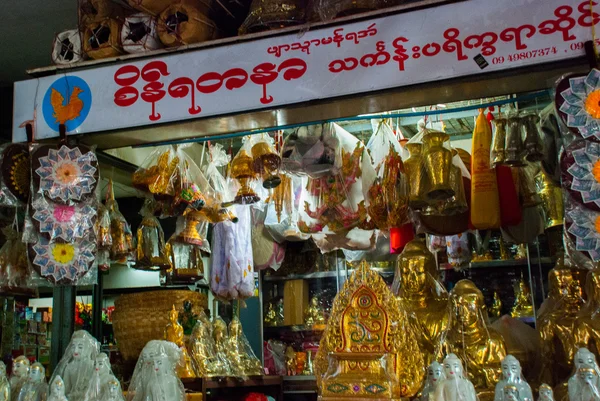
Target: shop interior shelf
301,384
504,263
294,329
267,384
320,275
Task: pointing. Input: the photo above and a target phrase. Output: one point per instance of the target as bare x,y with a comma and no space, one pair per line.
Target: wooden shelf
271,385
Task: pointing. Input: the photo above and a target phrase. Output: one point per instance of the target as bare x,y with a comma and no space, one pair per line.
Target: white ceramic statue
510,392
435,374
4,384
102,373
20,371
586,386
454,387
77,365
584,359
512,376
112,391
546,393
35,388
57,390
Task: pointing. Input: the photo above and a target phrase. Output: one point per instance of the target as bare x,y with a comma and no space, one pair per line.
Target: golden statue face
560,281
414,274
466,308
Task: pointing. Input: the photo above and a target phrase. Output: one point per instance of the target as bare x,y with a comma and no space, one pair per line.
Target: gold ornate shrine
369,349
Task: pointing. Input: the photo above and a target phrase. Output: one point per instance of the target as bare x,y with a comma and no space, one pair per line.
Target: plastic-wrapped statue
20,371
422,295
77,365
4,383
512,376
587,324
204,351
470,335
35,389
585,386
454,387
102,373
584,359
174,334
435,374
242,358
546,393
155,376
220,336
57,390
112,391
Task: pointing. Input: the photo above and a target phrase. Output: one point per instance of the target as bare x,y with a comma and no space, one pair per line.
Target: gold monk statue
470,337
422,296
556,323
174,334
314,316
523,306
496,309
241,357
587,323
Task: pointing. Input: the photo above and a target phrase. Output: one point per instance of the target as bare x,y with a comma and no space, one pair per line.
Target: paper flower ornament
585,172
64,221
63,262
582,104
67,174
584,227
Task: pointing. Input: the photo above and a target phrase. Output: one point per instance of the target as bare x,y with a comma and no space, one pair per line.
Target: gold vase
534,147
242,169
552,200
415,175
266,163
498,152
514,149
437,161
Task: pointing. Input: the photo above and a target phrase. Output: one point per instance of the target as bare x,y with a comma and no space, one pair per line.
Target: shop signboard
428,45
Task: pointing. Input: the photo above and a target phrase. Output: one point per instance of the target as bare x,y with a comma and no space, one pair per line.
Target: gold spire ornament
368,349
174,334
242,169
523,306
266,163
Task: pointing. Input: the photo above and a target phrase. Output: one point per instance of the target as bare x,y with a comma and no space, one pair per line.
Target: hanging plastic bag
15,178
203,351
150,247
242,359
458,250
122,247
14,267
283,205
266,252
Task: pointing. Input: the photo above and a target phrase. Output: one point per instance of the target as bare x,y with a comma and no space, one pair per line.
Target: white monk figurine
546,393
511,375
102,373
579,382
4,383
435,374
20,371
112,391
586,386
57,390
35,388
454,387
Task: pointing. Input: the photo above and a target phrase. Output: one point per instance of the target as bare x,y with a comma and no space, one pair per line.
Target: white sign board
471,37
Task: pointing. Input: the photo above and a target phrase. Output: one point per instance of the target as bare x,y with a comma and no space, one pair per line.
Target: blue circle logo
67,101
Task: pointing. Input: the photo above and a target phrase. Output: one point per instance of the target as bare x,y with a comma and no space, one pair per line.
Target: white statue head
546,393
511,368
20,367
584,358
57,388
102,364
36,373
435,372
161,364
511,393
79,348
587,376
453,368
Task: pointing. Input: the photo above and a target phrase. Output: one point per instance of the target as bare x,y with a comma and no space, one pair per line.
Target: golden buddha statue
556,323
203,350
587,324
422,295
471,338
314,315
290,361
220,338
174,334
496,309
369,349
523,306
241,357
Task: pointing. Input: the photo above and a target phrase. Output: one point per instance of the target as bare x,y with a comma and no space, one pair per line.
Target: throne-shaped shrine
368,350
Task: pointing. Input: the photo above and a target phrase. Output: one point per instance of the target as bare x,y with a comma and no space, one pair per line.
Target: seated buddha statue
422,295
174,334
587,323
241,357
470,337
556,323
523,306
369,349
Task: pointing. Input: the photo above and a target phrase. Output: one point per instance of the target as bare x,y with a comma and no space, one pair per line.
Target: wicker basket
141,317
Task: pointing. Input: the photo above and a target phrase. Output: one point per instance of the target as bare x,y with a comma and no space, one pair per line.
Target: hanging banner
467,38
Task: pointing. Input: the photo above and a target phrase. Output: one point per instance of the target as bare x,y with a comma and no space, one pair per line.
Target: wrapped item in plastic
112,390
232,273
120,231
514,151
586,325
584,384
458,250
455,386
57,390
155,377
282,209
580,224
388,193
186,264
66,222
15,179
577,164
512,376
435,374
552,143
19,373
265,15
275,357
576,100
150,247
67,48
436,243
159,174
14,267
76,367
242,359
266,252
267,161
203,350
103,233
35,388
139,34
100,377
485,205
534,147
526,185
497,153
185,22
552,200
102,38
521,340
311,150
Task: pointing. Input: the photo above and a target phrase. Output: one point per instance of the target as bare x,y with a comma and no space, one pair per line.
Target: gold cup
437,161
552,200
534,147
242,169
190,234
415,175
266,163
498,152
514,149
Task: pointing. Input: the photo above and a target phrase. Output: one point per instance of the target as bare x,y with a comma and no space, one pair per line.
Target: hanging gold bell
437,161
514,151
242,169
150,251
416,178
499,141
266,163
195,228
533,142
552,200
